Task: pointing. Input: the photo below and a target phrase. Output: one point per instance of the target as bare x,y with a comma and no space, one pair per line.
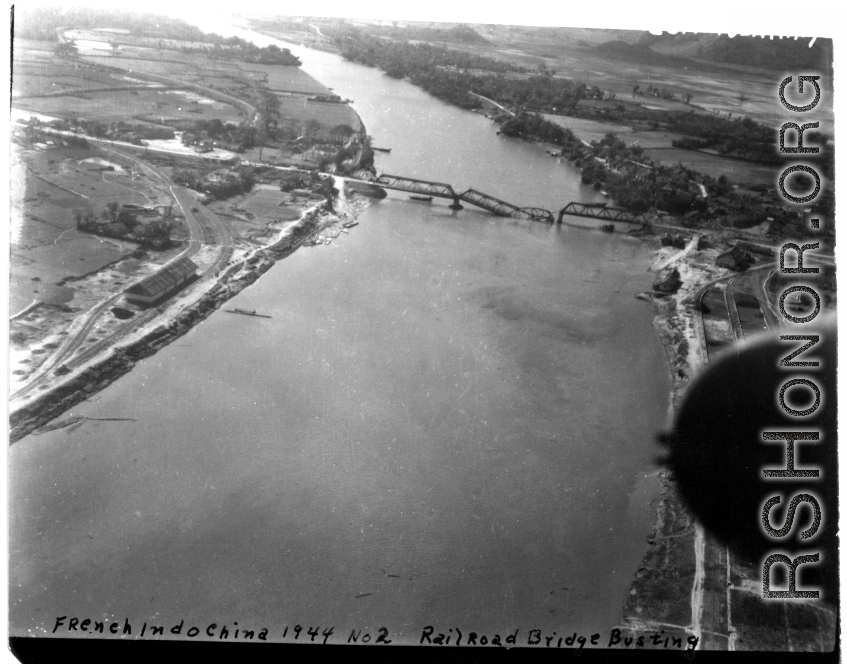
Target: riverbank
173,325
666,591
688,582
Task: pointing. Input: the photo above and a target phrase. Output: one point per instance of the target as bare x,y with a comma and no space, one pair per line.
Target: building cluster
202,143
149,226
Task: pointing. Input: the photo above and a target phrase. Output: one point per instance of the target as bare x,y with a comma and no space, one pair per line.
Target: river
450,420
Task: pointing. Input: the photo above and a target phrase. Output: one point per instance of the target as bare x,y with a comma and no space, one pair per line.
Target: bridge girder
538,214
495,205
603,212
401,183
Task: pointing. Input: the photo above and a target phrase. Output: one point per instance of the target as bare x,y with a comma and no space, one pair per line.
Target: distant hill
770,53
464,34
763,52
639,52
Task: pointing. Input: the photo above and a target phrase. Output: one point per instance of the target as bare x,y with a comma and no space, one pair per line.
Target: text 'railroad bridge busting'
500,207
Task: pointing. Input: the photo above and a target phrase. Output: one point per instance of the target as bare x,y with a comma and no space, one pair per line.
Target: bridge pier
456,204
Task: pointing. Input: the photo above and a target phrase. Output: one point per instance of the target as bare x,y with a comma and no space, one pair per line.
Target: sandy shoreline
661,593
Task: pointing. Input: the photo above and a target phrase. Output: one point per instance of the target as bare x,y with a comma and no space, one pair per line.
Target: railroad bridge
442,190
500,207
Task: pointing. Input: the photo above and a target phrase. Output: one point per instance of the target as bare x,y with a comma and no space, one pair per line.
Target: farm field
147,61
123,105
658,147
156,105
286,79
741,172
227,76
31,49
41,77
73,254
652,139
329,115
590,130
593,130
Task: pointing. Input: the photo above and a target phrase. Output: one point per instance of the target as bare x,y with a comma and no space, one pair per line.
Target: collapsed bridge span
472,196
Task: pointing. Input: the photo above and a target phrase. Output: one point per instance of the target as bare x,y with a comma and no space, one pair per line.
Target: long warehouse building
163,283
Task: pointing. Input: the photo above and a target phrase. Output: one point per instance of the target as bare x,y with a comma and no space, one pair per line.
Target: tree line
235,48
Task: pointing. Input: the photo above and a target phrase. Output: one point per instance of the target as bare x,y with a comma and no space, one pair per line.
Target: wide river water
449,420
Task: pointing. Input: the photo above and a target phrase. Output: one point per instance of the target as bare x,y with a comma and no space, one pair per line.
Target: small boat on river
350,224
373,147
246,312
426,199
608,228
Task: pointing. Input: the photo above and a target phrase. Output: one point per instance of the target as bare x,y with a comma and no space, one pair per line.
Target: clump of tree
370,50
66,49
236,137
235,48
531,126
241,183
741,138
661,93
342,132
119,222
232,183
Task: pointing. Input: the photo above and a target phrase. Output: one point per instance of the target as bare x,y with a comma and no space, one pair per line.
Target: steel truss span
472,196
603,211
